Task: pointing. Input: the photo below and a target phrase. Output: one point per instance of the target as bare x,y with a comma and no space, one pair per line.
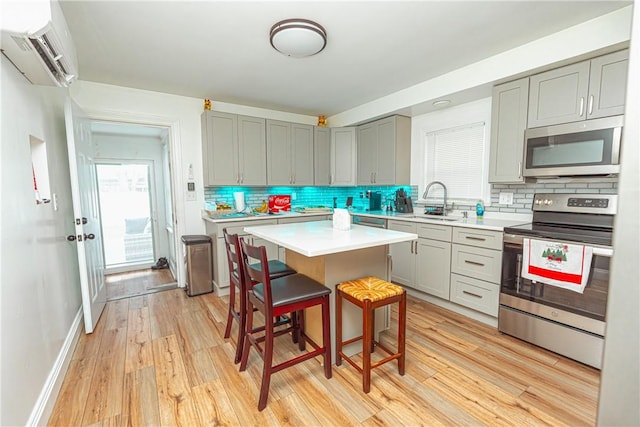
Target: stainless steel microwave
590,147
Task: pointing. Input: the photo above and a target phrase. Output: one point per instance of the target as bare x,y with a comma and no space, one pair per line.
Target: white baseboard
47,398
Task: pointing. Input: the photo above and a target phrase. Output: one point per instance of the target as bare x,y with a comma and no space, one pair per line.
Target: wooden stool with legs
370,293
273,298
238,287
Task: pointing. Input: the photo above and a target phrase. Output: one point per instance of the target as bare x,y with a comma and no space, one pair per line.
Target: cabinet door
433,271
608,85
508,122
403,263
302,154
403,258
367,153
252,149
385,172
343,156
220,148
559,96
279,153
322,156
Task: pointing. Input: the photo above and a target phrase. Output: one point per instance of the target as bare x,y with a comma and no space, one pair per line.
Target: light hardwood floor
160,359
139,282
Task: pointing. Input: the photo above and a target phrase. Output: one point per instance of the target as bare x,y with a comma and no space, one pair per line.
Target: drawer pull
481,239
471,294
474,263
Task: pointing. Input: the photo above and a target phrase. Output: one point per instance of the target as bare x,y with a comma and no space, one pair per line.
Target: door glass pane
126,213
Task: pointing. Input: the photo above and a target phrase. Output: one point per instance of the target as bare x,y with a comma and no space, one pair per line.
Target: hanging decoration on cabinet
322,121
207,104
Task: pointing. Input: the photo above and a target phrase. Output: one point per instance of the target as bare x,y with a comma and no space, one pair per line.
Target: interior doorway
136,203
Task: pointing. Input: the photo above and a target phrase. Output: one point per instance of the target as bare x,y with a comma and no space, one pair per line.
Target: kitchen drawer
435,232
237,227
406,226
475,294
476,237
483,264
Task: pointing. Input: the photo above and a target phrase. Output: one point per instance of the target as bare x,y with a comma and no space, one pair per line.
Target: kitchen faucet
444,201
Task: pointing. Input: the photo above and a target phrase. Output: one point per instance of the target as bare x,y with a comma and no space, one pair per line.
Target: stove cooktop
583,235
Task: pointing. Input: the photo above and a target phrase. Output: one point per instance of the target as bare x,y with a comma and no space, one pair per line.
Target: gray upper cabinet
585,90
384,150
508,123
608,85
322,156
289,153
233,149
343,156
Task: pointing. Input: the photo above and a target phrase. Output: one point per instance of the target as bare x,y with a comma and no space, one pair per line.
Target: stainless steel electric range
565,321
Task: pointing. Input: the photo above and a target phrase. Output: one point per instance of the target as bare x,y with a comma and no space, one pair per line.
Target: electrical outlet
293,195
506,199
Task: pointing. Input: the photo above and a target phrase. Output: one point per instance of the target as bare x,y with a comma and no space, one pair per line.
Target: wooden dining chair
274,298
238,288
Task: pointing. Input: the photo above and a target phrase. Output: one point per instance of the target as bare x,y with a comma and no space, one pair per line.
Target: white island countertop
320,238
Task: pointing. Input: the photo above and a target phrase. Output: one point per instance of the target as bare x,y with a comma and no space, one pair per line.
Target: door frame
175,170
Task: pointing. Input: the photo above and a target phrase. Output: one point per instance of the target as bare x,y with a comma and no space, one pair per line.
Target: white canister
238,198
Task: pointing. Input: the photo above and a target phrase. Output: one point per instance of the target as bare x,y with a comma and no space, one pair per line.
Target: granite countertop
320,238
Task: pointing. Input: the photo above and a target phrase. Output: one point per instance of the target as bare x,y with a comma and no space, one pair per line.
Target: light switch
506,199
191,192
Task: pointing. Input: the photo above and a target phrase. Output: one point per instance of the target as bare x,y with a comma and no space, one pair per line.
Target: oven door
586,311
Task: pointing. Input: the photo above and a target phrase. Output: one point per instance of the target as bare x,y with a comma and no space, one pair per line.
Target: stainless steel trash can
197,259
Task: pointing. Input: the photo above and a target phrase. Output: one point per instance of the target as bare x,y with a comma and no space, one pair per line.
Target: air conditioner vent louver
41,48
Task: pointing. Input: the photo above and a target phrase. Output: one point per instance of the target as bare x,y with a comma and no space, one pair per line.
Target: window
452,146
454,157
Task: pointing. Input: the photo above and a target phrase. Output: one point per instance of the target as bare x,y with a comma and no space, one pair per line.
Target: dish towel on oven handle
559,264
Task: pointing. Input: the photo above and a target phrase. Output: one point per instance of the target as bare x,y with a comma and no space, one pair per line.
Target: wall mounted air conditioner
36,39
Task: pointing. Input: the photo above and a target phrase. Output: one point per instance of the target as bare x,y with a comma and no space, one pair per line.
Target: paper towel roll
238,198
341,219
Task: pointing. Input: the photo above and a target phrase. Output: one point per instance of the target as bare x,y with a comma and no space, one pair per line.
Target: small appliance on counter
375,201
403,202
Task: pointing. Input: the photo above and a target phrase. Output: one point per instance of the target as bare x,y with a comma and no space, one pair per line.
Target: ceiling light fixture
441,103
298,37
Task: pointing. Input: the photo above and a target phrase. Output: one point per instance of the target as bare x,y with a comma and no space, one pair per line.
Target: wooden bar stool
238,286
370,293
273,298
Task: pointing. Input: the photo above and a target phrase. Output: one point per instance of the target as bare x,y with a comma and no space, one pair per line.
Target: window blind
455,157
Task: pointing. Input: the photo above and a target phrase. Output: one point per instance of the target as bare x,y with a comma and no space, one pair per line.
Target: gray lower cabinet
508,122
476,267
289,153
220,263
233,149
422,264
585,90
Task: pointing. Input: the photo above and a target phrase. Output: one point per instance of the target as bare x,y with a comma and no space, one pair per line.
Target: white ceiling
220,49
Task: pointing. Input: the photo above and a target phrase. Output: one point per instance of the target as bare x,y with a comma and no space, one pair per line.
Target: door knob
89,236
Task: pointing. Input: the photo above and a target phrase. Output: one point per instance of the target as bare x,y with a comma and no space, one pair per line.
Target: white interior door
84,191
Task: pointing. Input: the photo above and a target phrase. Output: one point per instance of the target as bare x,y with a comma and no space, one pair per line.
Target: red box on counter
279,203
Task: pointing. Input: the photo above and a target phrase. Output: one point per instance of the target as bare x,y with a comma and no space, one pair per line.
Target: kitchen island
331,256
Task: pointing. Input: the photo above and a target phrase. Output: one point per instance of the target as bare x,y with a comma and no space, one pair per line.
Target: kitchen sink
437,218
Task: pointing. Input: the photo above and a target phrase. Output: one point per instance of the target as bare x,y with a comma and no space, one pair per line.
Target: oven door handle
605,252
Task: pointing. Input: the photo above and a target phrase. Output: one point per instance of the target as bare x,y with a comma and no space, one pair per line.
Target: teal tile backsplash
308,196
